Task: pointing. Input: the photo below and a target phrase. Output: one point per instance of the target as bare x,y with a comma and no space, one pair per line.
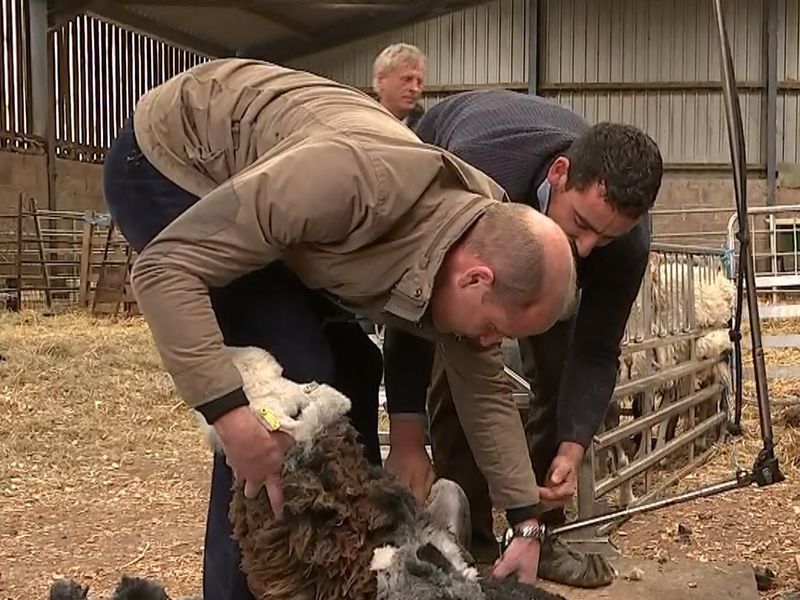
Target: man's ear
558,172
479,275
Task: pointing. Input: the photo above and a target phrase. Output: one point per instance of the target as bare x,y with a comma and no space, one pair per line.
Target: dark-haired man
597,183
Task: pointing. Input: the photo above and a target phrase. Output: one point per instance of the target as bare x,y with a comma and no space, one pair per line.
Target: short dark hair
624,159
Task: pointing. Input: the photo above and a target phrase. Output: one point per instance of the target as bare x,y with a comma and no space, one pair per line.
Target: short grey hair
393,55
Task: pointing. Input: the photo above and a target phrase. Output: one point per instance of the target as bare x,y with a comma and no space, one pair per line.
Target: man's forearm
407,372
407,431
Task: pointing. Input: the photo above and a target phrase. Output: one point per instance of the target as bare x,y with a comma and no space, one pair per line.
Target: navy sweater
514,138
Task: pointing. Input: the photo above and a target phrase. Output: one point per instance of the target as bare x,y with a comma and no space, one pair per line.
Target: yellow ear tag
272,421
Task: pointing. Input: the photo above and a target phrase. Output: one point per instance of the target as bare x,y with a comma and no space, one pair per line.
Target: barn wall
652,63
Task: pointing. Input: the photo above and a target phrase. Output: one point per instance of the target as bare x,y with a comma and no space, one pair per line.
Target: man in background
398,79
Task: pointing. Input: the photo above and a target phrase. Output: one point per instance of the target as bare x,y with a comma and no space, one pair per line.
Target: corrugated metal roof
276,30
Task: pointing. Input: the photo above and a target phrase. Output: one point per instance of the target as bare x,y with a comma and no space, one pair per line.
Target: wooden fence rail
63,259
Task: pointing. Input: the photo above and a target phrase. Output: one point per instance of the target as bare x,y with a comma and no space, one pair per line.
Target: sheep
349,529
128,588
713,298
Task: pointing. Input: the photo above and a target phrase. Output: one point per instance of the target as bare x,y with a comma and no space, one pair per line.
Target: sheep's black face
68,589
134,588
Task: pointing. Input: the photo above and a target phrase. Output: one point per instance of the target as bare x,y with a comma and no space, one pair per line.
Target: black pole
765,469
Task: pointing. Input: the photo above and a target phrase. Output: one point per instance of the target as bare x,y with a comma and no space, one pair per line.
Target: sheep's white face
300,410
433,557
424,568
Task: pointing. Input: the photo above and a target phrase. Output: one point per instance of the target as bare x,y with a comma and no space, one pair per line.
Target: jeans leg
140,199
358,366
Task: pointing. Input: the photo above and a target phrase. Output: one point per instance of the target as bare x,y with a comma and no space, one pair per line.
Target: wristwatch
533,532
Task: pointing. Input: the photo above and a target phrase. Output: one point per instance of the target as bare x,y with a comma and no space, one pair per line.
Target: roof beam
112,11
355,29
63,11
275,16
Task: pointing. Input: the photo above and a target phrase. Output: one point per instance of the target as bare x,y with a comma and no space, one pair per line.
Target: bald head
516,261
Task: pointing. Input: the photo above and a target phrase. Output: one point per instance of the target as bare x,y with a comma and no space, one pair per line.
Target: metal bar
739,481
685,248
644,86
658,490
771,25
35,288
767,463
674,444
19,254
657,342
640,385
690,211
533,47
609,438
760,210
5,88
85,263
38,229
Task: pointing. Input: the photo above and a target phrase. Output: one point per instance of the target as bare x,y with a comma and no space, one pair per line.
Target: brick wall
78,185
710,228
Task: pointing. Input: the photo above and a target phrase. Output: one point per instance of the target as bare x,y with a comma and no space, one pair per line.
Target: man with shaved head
267,204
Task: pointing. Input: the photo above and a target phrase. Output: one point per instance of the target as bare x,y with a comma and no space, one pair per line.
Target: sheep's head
300,409
68,589
425,567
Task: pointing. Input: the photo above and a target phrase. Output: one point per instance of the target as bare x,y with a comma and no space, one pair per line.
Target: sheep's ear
431,554
382,558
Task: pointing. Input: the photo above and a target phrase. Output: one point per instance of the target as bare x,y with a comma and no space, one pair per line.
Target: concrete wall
78,185
699,209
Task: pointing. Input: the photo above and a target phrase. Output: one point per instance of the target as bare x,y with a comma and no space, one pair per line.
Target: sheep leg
447,507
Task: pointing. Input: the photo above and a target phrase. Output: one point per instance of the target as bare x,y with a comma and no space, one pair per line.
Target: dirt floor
103,471
754,525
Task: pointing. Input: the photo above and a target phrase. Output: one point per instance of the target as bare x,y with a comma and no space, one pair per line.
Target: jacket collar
411,295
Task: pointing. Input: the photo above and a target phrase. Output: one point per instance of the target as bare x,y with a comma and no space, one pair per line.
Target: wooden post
19,253
86,260
45,273
101,278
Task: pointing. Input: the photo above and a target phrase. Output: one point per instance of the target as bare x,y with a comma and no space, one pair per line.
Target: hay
102,469
753,525
100,464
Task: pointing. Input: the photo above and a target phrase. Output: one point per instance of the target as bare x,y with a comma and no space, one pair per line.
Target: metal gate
670,404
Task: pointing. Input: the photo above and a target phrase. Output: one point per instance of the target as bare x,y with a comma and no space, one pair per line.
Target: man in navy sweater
597,183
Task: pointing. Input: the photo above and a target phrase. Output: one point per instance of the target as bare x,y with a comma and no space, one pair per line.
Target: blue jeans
309,337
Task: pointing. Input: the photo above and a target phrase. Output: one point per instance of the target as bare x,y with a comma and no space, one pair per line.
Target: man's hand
254,453
562,477
408,460
521,558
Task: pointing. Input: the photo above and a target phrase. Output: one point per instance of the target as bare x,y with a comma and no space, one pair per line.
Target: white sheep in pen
713,303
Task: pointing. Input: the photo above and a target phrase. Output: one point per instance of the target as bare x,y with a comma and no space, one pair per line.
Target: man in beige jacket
267,202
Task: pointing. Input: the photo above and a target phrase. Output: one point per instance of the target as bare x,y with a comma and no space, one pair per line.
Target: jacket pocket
242,104
212,163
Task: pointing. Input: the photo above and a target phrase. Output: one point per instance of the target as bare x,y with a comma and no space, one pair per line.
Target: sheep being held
349,529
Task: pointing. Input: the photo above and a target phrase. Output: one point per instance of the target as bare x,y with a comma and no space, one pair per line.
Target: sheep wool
350,529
